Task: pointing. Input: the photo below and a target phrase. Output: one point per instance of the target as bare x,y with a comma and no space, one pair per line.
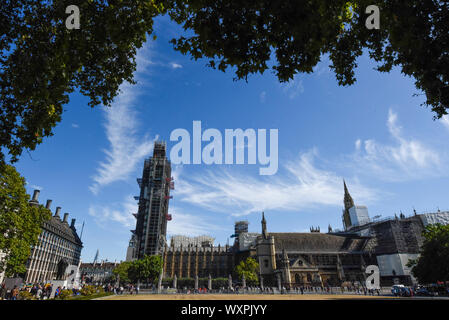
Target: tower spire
264,226
349,203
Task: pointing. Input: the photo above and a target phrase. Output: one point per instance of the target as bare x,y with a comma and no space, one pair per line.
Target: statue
62,266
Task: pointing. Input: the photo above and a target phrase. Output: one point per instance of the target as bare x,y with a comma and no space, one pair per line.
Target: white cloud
322,68
406,158
120,213
189,225
293,88
445,121
175,65
302,186
126,150
358,144
36,187
263,96
74,125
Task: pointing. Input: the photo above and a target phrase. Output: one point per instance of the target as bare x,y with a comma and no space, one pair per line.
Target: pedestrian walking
39,293
14,293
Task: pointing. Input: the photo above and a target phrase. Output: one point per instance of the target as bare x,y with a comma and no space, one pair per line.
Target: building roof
62,229
318,242
99,265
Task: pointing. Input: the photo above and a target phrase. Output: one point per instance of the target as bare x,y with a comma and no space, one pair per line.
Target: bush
25,295
65,294
219,283
88,290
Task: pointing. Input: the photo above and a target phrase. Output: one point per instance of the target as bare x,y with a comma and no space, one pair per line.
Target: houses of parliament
297,259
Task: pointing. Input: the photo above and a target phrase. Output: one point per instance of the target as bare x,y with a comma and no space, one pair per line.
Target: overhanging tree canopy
413,35
41,62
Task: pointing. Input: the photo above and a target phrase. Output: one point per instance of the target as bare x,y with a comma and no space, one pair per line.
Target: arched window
298,279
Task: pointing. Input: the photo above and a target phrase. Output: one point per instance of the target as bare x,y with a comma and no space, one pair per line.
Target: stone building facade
190,261
315,258
312,259
97,272
58,249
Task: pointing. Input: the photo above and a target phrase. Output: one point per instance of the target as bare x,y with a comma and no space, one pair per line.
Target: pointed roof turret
348,201
264,226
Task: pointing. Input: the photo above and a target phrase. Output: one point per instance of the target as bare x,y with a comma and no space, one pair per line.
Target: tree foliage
120,272
20,223
250,269
41,62
433,262
146,269
413,35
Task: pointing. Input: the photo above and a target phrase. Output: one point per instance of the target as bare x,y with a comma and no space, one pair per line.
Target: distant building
441,217
353,215
359,215
312,259
152,216
131,251
185,241
201,261
396,241
248,240
97,272
58,250
239,228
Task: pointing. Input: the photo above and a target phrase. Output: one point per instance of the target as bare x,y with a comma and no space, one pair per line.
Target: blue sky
374,134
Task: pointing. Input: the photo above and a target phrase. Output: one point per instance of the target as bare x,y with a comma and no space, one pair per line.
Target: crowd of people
44,291
36,291
6,294
130,289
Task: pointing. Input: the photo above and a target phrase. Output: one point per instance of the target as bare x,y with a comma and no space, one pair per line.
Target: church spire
348,201
264,226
